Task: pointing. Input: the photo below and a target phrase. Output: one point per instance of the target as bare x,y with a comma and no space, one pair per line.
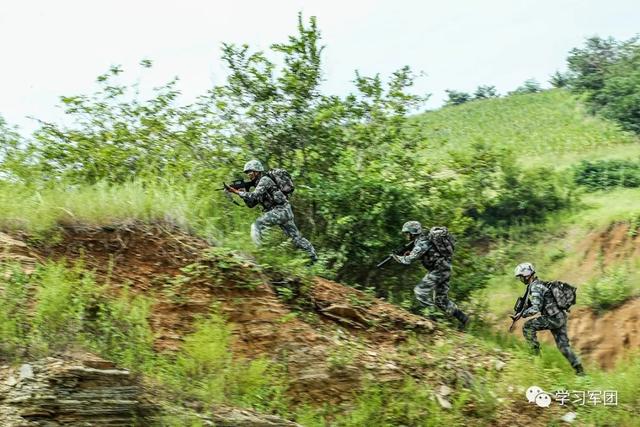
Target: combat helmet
253,165
412,227
525,269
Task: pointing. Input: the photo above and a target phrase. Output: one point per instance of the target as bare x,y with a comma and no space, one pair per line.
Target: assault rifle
522,303
238,184
400,251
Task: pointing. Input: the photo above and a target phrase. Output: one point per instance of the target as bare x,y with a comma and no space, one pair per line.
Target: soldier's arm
416,253
256,196
537,294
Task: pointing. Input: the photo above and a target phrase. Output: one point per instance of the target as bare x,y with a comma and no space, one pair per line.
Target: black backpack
283,180
444,241
563,293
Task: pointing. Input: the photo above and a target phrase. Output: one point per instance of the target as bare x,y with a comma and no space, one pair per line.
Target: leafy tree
529,86
589,64
14,165
115,136
485,92
607,73
559,80
455,97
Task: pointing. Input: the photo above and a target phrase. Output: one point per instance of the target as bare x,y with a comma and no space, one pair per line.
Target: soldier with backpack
272,191
435,249
551,300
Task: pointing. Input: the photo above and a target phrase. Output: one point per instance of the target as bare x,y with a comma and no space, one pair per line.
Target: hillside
593,244
550,128
335,345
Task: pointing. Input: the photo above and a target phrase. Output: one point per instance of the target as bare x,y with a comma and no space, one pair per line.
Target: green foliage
610,290
57,307
542,129
485,92
15,290
559,80
115,136
455,97
529,86
182,204
607,73
205,369
498,192
605,174
411,405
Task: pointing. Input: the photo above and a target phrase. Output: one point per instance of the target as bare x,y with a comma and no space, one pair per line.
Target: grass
549,128
61,306
38,211
554,248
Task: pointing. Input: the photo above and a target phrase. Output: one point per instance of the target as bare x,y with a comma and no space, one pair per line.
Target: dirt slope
608,337
332,342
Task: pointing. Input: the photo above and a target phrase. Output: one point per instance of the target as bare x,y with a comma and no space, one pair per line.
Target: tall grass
38,211
61,307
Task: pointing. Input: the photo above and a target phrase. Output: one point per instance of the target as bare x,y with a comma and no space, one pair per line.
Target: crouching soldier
544,301
435,249
272,191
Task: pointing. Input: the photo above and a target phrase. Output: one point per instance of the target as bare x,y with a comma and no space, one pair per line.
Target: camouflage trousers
433,290
557,324
283,217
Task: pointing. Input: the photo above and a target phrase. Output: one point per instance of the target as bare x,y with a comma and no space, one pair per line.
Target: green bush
57,307
15,289
204,368
604,174
607,73
610,290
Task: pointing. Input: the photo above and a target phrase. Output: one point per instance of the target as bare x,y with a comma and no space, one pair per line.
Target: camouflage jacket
266,193
542,300
425,250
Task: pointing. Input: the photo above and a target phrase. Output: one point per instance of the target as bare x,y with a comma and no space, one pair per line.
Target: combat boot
462,318
579,370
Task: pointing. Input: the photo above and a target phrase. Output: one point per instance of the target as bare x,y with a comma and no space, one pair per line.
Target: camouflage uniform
277,211
433,289
551,318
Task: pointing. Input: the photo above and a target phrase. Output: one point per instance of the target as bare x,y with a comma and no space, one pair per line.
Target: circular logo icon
543,400
532,392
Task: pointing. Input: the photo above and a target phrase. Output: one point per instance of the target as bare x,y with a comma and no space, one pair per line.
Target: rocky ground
332,338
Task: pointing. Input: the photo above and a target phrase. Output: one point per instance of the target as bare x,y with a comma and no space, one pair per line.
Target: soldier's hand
230,189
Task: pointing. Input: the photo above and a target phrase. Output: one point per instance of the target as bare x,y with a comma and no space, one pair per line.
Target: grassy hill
593,244
550,128
164,280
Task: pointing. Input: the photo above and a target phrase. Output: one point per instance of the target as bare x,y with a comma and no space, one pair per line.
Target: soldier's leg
425,292
290,229
445,304
442,291
264,221
530,329
562,342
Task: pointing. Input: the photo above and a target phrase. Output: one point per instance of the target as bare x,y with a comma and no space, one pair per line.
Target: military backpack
283,180
443,241
563,293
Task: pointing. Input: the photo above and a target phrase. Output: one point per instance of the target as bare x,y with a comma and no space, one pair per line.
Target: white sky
54,48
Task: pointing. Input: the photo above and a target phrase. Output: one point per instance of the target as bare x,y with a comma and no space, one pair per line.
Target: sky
55,48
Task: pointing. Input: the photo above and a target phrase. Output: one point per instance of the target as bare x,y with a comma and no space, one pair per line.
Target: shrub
204,368
610,290
604,174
